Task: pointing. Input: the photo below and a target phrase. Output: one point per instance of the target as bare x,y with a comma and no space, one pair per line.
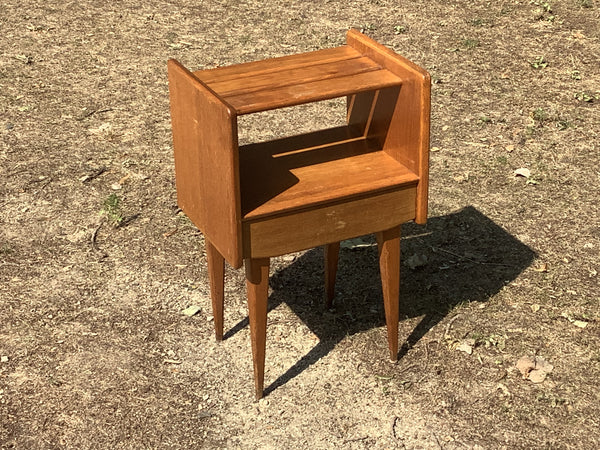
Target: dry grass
512,267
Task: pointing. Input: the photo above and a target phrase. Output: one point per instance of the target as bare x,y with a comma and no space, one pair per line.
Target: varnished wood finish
206,161
216,275
267,199
331,253
275,184
313,227
257,284
360,111
274,65
388,243
407,129
297,79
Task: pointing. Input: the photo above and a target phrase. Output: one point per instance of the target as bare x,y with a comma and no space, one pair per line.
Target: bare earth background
95,351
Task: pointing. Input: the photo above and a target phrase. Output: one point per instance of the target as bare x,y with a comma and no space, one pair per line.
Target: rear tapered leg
216,275
257,285
331,264
388,243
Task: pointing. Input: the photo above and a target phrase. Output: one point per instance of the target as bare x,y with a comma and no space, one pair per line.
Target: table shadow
468,259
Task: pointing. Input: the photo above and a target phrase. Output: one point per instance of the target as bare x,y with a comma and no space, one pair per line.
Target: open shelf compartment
309,170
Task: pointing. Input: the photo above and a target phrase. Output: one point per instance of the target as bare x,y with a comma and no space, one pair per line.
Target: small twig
94,111
168,234
393,426
172,361
43,186
450,322
95,235
412,366
437,441
362,438
9,263
456,255
95,174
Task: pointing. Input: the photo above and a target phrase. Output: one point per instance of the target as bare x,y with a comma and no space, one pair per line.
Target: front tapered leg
388,243
257,284
216,276
331,264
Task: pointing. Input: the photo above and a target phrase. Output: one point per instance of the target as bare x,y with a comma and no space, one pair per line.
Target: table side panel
206,161
407,138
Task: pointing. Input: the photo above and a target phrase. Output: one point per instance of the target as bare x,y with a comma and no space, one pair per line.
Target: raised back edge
407,134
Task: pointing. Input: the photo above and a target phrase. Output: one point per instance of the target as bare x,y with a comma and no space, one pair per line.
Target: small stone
522,172
191,310
415,261
4,359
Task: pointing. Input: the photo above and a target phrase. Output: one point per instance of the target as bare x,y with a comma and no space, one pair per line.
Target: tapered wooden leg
388,243
331,264
257,284
216,275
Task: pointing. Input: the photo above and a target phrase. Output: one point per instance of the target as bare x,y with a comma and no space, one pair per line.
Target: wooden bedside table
266,199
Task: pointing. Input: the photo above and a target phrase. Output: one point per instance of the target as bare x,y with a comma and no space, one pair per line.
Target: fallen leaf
124,179
4,359
359,242
535,307
534,369
415,261
504,389
465,347
537,376
191,310
26,59
542,268
522,172
525,365
577,323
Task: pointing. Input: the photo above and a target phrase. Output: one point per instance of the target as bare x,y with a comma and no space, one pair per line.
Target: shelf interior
305,171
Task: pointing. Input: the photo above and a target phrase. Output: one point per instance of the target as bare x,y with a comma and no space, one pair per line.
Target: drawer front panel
302,230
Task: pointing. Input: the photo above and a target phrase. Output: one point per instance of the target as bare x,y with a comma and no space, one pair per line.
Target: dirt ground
95,351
